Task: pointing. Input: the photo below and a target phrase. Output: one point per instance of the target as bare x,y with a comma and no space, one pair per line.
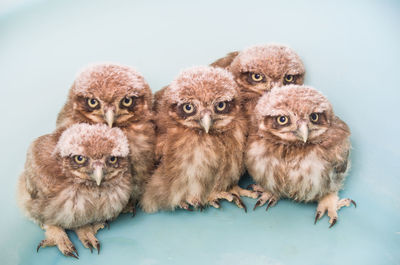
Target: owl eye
79,159
188,108
113,159
282,120
127,102
220,106
314,117
92,103
289,78
257,77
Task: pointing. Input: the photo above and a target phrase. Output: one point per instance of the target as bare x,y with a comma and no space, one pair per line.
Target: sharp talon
240,202
333,222
90,247
39,246
257,204
201,207
354,203
107,225
217,203
98,248
71,255
317,217
76,251
269,204
134,211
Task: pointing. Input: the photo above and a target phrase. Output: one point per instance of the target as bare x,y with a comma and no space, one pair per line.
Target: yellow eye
314,117
221,106
188,108
289,78
256,77
79,159
93,103
113,160
127,102
282,120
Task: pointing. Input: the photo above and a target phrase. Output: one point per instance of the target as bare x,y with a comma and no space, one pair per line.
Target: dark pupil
112,158
314,116
92,101
221,105
127,100
188,107
282,119
79,158
257,76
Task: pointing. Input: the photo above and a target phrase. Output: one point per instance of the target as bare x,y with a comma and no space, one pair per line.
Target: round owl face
203,98
111,94
94,153
294,114
260,68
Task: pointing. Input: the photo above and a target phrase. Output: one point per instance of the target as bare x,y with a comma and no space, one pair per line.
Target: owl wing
43,167
226,61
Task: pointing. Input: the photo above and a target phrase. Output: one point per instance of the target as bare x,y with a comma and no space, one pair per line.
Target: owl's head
203,98
260,68
93,153
294,114
110,93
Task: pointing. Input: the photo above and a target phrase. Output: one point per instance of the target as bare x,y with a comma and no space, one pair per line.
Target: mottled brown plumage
298,149
259,68
78,179
200,142
120,97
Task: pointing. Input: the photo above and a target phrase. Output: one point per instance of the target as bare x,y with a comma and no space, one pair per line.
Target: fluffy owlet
118,96
78,179
298,149
201,137
258,69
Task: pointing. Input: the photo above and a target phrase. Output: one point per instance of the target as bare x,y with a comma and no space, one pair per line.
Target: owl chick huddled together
78,179
259,68
118,96
200,140
298,149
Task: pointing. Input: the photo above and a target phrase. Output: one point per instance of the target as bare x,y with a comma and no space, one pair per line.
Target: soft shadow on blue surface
351,52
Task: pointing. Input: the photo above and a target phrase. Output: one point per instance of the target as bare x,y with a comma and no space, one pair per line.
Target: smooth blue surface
351,52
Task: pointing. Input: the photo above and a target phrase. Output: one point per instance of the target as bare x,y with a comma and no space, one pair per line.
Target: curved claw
107,224
333,222
76,251
270,203
317,217
71,254
354,203
134,211
240,202
216,202
98,248
201,207
39,246
90,246
257,204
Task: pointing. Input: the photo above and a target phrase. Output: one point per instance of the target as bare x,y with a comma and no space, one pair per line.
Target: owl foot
229,196
87,234
56,236
264,197
244,192
331,204
130,207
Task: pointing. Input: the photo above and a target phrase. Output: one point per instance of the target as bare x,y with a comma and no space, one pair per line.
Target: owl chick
200,138
77,179
258,69
298,149
120,97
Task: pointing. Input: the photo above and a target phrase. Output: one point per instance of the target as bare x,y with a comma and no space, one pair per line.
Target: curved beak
98,175
109,116
206,121
302,132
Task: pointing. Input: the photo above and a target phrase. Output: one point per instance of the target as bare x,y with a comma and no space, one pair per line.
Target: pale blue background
351,53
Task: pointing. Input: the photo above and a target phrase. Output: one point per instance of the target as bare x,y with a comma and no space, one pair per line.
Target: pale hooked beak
109,116
302,131
206,121
98,175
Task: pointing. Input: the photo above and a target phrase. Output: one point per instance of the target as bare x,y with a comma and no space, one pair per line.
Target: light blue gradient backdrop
351,50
